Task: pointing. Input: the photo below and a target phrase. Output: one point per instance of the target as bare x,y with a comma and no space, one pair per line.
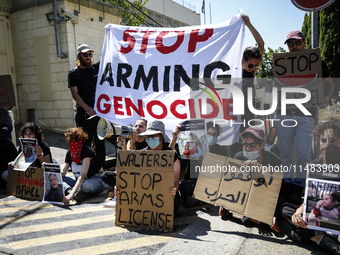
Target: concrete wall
57,110
173,10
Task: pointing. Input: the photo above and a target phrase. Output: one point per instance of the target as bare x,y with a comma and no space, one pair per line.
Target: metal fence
186,4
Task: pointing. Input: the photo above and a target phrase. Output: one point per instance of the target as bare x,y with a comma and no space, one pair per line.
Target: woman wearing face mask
156,138
251,60
213,131
253,154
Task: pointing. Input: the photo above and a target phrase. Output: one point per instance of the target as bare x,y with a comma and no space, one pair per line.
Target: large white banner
145,72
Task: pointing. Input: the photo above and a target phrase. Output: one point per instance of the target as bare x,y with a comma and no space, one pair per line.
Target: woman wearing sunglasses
251,60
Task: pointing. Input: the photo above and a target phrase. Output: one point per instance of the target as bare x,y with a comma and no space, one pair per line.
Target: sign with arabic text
226,185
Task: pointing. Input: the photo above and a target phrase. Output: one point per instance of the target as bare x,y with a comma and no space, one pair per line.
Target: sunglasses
251,66
291,43
251,145
85,55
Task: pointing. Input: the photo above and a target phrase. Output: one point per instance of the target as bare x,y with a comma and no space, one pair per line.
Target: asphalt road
31,227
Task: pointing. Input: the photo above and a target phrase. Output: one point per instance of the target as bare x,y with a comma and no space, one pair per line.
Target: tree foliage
329,36
266,66
129,19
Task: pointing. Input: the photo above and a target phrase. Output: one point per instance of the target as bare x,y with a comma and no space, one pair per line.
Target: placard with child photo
321,210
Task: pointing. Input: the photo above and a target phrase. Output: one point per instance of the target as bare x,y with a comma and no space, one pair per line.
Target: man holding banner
292,189
82,82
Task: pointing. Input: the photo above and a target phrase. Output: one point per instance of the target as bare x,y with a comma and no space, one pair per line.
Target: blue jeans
92,186
302,134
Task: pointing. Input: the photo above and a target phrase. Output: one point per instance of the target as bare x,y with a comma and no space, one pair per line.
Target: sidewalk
209,234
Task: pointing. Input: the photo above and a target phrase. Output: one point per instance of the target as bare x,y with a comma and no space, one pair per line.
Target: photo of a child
326,207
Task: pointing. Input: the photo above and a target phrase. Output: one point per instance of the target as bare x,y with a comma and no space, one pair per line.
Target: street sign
312,5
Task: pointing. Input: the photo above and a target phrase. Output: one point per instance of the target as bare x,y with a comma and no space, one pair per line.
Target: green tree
266,66
306,30
329,36
134,15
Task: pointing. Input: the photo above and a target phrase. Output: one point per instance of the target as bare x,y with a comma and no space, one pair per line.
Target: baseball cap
83,48
155,127
256,131
296,34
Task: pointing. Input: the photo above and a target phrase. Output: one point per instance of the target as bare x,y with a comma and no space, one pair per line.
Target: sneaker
80,196
190,201
275,226
224,213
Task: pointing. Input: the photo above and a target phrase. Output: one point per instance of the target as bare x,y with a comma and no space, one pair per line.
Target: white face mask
212,140
152,142
251,155
119,144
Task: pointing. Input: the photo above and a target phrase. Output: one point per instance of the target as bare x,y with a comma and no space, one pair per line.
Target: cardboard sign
7,98
236,191
26,184
300,69
323,182
144,179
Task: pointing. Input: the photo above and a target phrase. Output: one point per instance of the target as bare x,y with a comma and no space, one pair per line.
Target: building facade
39,54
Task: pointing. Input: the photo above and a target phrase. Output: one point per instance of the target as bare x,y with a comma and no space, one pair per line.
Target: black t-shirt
46,150
218,149
269,158
141,146
86,152
85,79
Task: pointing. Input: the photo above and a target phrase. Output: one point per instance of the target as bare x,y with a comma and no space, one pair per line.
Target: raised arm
255,33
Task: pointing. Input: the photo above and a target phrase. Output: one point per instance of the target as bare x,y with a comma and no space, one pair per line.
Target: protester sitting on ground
85,165
137,142
55,194
156,138
8,153
327,135
42,150
187,186
109,177
254,154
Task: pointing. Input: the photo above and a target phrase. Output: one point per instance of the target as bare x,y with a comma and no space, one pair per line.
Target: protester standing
291,190
82,82
251,60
